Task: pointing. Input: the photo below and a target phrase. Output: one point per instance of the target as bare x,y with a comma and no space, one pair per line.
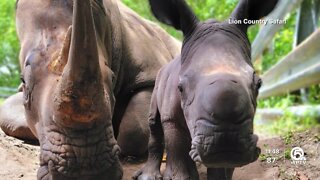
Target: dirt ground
19,160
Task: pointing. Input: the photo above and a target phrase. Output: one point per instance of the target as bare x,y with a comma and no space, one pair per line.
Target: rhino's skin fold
88,70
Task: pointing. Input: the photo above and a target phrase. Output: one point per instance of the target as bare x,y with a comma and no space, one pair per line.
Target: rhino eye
259,83
22,79
180,88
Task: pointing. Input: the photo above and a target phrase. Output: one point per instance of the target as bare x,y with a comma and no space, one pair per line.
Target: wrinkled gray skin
87,65
203,103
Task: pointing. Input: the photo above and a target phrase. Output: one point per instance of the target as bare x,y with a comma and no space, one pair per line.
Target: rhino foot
12,118
179,178
147,174
180,174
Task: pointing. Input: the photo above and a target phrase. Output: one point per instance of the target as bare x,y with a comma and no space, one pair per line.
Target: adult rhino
86,65
204,101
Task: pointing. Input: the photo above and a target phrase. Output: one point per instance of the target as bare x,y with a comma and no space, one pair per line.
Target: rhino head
67,87
217,82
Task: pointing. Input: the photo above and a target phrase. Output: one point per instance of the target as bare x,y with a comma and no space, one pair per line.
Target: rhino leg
12,118
179,165
219,173
134,130
151,170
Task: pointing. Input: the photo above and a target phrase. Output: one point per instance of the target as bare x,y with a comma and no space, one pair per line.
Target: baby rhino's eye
259,83
180,87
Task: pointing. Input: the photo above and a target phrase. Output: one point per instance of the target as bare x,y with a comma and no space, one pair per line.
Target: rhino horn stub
80,93
57,65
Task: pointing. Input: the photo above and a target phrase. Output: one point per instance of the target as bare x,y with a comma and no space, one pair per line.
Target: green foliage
1,101
287,154
288,124
314,94
281,102
216,9
288,138
9,45
264,157
282,43
142,8
204,9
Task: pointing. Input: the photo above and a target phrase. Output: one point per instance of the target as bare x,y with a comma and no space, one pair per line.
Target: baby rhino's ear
253,9
175,13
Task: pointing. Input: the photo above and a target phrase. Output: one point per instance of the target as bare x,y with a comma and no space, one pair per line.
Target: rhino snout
217,146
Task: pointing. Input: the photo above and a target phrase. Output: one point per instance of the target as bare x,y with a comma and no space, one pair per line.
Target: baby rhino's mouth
224,148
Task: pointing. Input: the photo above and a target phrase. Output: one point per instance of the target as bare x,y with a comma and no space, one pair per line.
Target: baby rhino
204,101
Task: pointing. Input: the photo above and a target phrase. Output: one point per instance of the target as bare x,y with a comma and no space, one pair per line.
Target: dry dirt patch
19,160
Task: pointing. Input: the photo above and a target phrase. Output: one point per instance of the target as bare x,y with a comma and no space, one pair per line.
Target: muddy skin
204,101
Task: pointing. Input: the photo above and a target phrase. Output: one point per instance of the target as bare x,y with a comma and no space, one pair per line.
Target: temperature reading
271,160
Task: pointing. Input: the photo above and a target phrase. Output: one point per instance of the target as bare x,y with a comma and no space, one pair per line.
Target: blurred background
291,92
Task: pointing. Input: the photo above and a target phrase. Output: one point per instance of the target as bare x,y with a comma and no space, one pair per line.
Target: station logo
297,156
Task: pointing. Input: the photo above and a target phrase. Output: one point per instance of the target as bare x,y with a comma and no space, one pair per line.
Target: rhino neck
74,153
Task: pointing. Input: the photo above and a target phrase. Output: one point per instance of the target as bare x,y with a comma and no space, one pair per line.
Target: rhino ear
253,9
175,13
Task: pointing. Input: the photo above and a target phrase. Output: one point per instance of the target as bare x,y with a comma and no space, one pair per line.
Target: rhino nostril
234,81
212,82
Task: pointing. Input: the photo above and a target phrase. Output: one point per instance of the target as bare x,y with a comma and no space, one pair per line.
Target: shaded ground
19,161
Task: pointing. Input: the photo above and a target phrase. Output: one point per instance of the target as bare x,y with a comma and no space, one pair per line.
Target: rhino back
147,48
